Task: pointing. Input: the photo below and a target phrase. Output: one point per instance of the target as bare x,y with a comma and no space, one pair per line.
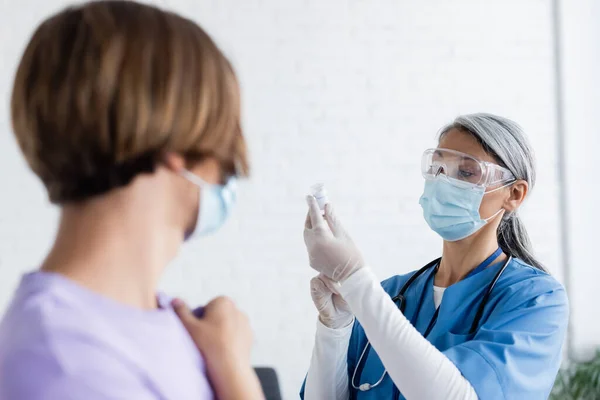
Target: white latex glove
334,312
330,250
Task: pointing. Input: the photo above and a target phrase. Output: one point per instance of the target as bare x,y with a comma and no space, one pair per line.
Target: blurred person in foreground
130,116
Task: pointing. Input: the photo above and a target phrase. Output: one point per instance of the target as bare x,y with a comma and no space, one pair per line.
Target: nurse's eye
465,174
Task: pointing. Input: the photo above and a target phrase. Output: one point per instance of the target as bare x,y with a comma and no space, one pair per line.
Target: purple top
60,341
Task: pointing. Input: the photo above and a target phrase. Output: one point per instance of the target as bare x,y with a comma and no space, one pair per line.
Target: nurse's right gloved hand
334,312
331,251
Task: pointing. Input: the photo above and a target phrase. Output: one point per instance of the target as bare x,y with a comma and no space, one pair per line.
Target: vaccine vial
320,193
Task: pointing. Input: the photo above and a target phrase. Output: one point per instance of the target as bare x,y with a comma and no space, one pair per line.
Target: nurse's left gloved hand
333,310
330,250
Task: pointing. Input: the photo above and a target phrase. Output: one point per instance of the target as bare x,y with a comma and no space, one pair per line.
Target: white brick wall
348,92
580,64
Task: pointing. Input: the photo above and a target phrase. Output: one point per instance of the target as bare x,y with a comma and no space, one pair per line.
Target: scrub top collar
420,293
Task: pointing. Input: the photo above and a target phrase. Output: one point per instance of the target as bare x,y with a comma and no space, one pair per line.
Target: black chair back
269,382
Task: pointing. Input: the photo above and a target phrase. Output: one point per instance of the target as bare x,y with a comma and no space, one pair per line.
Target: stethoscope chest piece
364,387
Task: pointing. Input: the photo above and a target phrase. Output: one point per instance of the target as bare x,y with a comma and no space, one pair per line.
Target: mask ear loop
494,216
502,209
195,179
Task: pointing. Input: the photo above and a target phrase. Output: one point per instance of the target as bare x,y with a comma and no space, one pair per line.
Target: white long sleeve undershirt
417,368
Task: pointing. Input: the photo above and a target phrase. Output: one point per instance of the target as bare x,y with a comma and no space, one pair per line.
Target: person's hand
334,312
224,337
330,249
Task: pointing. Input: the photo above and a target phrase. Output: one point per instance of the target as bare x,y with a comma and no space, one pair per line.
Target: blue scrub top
516,352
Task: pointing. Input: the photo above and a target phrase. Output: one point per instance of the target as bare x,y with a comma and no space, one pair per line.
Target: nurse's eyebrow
439,153
468,158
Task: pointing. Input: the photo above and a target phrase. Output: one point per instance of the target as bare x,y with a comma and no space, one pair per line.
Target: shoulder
64,356
42,317
392,285
533,297
522,282
43,329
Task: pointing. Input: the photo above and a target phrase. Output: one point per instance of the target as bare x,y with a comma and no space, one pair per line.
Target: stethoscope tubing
402,306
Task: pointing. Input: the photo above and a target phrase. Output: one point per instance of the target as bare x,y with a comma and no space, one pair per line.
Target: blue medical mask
452,209
216,202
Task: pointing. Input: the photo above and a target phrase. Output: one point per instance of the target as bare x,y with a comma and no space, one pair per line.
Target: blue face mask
452,209
216,202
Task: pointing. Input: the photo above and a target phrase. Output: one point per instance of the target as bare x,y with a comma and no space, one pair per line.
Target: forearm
419,370
327,376
236,382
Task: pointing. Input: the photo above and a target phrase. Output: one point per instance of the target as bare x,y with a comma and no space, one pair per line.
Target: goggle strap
502,187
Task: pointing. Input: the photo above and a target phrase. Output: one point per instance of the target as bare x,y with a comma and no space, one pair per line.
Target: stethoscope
400,300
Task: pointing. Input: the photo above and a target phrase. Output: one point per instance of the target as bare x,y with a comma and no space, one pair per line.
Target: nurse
483,321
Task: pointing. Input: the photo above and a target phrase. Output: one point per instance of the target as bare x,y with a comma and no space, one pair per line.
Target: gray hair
506,142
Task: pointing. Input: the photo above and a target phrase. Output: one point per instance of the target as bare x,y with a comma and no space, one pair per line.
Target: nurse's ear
518,191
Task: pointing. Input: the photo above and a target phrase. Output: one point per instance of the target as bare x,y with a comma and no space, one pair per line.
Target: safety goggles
462,168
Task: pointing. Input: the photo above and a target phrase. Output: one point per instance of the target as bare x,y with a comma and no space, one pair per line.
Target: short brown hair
104,89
